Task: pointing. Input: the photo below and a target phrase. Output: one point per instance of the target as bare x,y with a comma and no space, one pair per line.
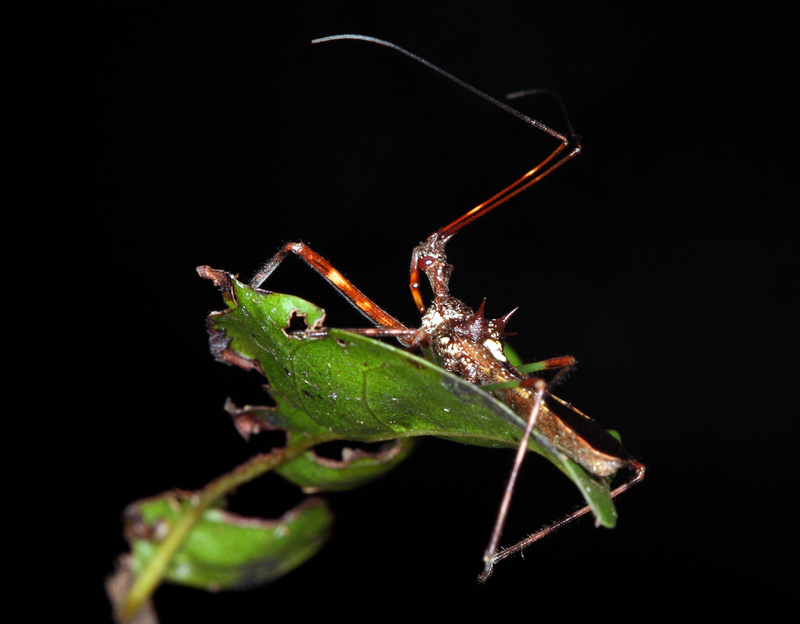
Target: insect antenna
568,148
456,79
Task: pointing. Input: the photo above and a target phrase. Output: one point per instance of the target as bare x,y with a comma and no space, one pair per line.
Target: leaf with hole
350,387
224,550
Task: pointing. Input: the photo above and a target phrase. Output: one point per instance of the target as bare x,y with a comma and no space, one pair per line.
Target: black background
664,259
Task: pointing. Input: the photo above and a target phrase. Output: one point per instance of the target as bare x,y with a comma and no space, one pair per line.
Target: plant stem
150,576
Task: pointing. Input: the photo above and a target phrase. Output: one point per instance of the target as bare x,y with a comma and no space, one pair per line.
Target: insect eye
426,262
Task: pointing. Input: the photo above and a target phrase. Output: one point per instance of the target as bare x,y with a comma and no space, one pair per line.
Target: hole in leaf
266,440
340,450
297,324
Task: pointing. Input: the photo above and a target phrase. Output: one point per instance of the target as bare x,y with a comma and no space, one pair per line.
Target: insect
468,344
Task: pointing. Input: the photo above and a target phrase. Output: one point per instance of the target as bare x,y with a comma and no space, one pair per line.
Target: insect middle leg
489,555
490,559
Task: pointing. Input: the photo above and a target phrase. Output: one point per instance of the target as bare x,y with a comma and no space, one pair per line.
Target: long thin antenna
557,158
535,123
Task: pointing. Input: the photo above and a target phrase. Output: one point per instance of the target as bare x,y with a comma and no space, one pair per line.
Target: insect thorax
467,343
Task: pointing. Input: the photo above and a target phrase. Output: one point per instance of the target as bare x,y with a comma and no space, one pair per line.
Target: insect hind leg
562,362
637,474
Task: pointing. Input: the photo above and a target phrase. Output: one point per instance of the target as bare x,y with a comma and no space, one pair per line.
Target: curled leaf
346,386
224,550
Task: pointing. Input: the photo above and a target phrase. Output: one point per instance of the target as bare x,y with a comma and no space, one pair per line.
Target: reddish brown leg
489,555
563,361
363,303
544,168
409,337
490,559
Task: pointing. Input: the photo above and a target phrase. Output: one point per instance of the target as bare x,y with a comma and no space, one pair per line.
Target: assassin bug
470,345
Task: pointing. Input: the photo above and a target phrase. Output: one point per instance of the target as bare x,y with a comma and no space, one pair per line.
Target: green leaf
341,387
316,473
223,550
349,387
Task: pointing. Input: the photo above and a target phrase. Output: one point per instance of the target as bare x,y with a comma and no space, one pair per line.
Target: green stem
150,576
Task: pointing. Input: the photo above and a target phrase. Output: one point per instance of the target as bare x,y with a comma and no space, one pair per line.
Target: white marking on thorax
495,348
